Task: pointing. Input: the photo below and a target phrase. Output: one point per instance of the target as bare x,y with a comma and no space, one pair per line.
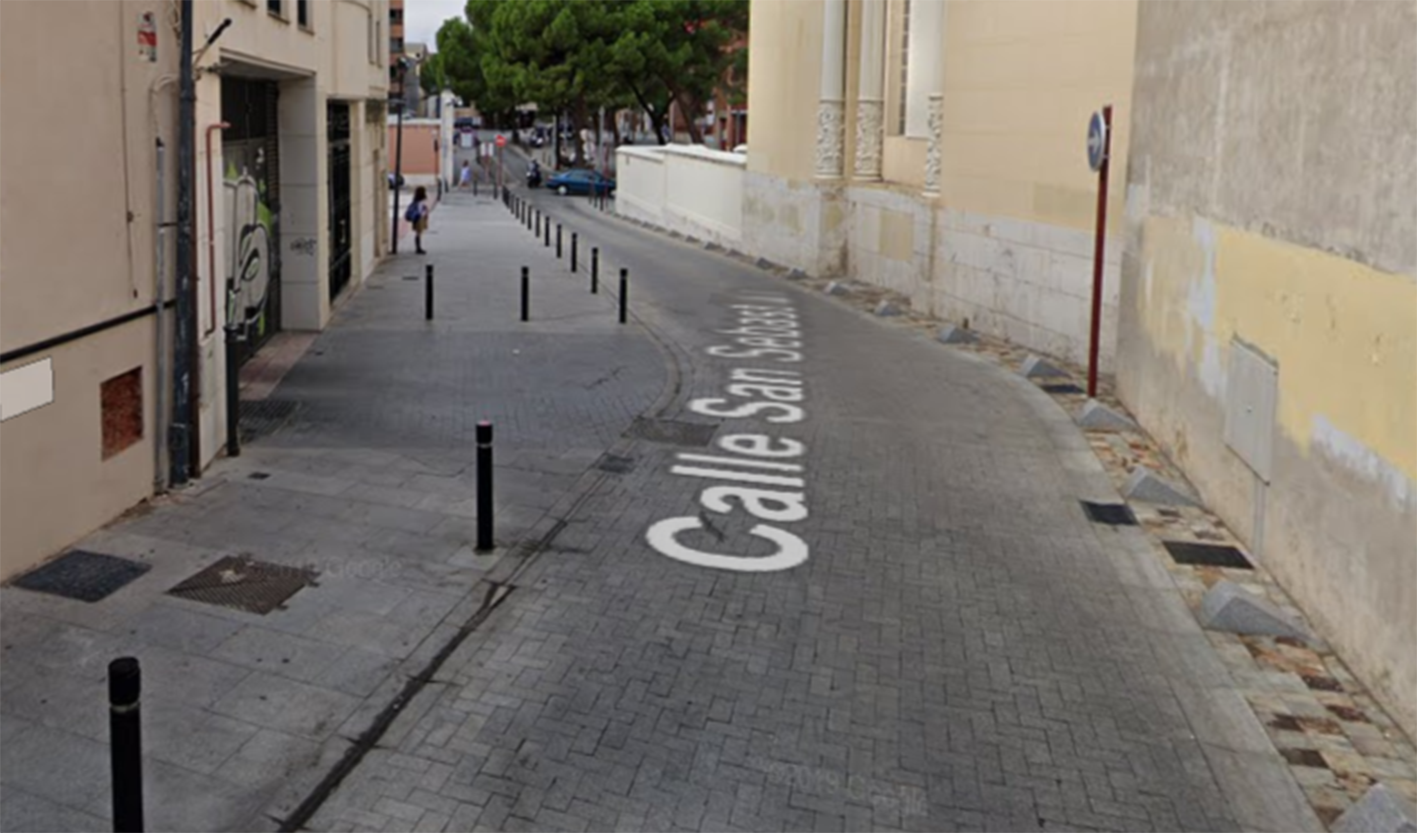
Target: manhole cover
1062,387
86,576
1209,555
245,584
616,464
263,417
671,431
1112,514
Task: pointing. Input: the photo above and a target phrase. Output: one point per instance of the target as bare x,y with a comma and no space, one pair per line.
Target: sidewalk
366,477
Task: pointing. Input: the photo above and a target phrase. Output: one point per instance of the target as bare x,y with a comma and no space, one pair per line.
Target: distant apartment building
289,215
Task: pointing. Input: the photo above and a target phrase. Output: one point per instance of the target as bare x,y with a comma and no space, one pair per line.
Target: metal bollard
574,240
624,293
538,222
594,269
484,486
558,241
125,743
428,293
526,294
547,229
234,340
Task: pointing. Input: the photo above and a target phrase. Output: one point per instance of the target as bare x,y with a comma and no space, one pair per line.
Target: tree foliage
576,56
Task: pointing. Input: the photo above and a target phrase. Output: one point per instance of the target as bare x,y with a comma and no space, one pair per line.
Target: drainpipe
159,297
211,230
180,440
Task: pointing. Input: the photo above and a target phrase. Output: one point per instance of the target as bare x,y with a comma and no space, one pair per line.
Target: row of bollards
540,227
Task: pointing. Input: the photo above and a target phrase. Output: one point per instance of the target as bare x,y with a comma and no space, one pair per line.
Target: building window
276,7
395,15
302,13
121,406
396,46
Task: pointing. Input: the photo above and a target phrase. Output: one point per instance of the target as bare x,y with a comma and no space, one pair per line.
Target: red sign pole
1099,246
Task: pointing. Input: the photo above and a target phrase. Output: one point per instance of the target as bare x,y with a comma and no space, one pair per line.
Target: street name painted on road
764,484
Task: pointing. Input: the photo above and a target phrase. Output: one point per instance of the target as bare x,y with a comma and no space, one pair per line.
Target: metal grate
1209,555
83,575
672,431
245,584
263,417
1112,514
1062,387
616,464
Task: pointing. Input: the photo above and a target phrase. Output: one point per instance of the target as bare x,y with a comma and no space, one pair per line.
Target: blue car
581,181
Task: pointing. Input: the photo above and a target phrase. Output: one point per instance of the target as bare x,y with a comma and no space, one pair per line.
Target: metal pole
594,269
538,222
184,324
233,390
547,225
125,743
1099,245
398,163
428,293
624,293
526,294
575,239
484,487
558,241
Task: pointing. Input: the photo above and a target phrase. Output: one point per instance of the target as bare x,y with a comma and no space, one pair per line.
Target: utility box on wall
1251,397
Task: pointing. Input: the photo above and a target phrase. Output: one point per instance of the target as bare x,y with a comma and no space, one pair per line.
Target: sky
421,19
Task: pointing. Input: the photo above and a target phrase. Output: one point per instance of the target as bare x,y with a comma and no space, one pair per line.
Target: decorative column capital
936,129
830,139
870,124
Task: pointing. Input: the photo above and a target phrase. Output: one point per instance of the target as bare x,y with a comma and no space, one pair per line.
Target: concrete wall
1278,219
691,190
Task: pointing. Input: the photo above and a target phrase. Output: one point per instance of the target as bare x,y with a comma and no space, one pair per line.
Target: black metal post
558,241
526,294
484,487
594,270
184,326
398,161
538,222
547,229
574,240
624,293
428,293
125,743
233,390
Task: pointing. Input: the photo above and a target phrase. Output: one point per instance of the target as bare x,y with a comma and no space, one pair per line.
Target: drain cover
263,417
86,576
616,464
671,431
1062,387
1112,514
1209,555
245,584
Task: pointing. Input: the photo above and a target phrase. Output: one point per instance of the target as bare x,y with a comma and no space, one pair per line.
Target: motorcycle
533,176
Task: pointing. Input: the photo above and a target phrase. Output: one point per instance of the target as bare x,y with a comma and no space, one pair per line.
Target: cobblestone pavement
367,479
961,648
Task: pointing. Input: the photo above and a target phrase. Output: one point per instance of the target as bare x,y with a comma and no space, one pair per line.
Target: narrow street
940,641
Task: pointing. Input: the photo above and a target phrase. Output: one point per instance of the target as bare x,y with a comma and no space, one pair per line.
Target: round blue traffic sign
1096,140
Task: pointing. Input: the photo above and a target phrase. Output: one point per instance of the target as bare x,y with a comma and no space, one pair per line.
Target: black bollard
574,240
538,222
547,228
428,293
594,269
624,293
526,294
125,743
484,486
233,389
558,241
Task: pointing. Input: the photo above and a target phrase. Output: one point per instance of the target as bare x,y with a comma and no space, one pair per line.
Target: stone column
935,129
831,104
870,104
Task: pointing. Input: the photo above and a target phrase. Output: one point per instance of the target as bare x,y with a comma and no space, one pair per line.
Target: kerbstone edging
1229,607
1146,486
1380,810
1099,417
836,288
1037,368
886,309
955,335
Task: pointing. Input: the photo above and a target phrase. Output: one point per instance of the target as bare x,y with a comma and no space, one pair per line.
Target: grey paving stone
1098,417
953,334
1036,367
286,705
1227,606
1146,486
1380,810
837,288
887,309
22,810
278,653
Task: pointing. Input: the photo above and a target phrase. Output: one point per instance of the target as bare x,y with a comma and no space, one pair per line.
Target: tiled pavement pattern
962,651
371,484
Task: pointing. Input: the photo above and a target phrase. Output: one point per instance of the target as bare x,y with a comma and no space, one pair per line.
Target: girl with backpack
417,214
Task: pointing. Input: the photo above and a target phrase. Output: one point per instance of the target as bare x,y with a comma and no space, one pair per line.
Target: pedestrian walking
417,214
465,177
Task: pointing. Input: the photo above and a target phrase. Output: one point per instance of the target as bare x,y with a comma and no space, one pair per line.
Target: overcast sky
421,19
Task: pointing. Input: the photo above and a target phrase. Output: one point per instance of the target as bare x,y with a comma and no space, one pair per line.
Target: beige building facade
936,147
1269,298
289,216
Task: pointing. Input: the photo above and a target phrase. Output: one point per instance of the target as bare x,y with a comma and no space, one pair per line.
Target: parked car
581,181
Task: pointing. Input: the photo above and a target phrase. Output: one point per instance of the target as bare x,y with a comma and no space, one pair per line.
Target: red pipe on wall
211,231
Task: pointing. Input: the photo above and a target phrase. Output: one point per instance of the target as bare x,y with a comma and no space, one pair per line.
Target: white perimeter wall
689,189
